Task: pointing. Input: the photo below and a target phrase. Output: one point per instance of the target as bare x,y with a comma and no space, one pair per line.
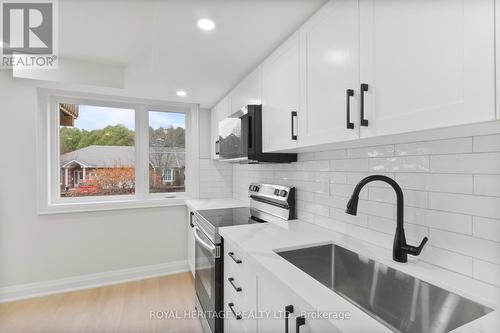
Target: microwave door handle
207,246
250,134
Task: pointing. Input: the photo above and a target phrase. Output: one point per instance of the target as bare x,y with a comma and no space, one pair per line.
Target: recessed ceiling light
206,24
181,93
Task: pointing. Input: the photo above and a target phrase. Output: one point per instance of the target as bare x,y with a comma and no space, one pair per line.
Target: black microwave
240,139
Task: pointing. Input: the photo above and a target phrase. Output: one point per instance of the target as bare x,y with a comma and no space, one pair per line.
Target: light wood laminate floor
122,307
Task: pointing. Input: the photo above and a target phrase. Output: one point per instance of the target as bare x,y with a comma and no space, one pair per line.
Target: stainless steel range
268,203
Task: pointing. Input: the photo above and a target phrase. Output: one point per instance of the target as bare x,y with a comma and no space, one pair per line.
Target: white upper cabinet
280,96
248,91
330,66
367,68
428,64
497,44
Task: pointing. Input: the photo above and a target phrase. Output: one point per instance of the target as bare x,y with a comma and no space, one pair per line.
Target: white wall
452,195
37,248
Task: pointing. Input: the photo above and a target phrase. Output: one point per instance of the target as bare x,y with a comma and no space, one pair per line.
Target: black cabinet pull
288,311
349,94
191,219
217,148
231,280
364,88
231,307
300,321
231,254
294,115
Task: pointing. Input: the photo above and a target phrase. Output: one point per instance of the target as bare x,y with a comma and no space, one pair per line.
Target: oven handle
206,245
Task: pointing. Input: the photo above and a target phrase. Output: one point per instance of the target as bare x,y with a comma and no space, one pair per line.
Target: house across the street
111,169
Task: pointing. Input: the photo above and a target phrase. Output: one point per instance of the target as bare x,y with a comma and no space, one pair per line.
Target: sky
96,117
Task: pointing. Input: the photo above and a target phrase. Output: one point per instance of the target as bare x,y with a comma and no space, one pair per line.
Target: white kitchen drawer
233,325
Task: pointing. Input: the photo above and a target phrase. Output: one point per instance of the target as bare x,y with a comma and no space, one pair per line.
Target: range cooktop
229,216
268,203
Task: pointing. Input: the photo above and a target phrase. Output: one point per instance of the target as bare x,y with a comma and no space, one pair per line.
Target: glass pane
97,147
167,160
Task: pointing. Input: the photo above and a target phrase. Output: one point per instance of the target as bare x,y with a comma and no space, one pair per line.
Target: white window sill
68,208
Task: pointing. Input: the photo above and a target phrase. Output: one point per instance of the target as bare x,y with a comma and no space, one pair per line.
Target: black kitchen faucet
400,248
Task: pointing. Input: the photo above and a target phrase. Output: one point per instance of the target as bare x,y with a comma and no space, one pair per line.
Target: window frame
49,174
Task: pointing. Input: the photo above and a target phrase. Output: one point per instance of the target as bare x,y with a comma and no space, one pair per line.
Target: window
96,150
110,153
166,150
168,175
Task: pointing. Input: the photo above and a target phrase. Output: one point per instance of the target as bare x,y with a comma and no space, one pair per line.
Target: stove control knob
283,193
256,188
276,192
250,188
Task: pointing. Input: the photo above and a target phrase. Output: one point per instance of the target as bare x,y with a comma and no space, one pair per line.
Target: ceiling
161,48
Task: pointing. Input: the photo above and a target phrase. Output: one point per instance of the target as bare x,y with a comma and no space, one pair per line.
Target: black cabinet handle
349,94
300,321
231,280
231,254
364,88
294,115
191,219
217,148
231,307
288,311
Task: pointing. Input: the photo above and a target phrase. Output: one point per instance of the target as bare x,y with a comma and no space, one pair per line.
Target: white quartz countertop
201,204
260,241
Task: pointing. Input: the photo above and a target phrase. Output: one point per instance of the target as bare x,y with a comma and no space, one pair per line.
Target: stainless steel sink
400,301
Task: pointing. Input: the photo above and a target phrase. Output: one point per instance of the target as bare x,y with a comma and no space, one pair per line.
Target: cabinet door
428,64
214,130
247,91
330,65
190,243
273,297
280,95
497,52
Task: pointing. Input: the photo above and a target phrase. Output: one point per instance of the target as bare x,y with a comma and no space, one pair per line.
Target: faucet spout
400,249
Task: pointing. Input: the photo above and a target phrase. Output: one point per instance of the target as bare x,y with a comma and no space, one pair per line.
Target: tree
167,137
115,180
73,138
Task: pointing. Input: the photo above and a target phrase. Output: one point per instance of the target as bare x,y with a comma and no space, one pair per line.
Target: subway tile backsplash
216,179
452,195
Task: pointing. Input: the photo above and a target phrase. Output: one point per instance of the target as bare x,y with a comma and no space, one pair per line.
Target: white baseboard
18,292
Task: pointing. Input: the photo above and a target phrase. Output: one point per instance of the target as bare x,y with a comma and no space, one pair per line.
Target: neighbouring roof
110,156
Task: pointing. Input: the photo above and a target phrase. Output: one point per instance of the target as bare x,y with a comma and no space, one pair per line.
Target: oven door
208,278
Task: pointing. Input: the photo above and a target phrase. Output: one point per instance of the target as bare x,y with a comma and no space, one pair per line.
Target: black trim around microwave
251,128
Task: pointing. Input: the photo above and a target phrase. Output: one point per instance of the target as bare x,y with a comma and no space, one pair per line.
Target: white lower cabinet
274,300
261,299
239,291
190,242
